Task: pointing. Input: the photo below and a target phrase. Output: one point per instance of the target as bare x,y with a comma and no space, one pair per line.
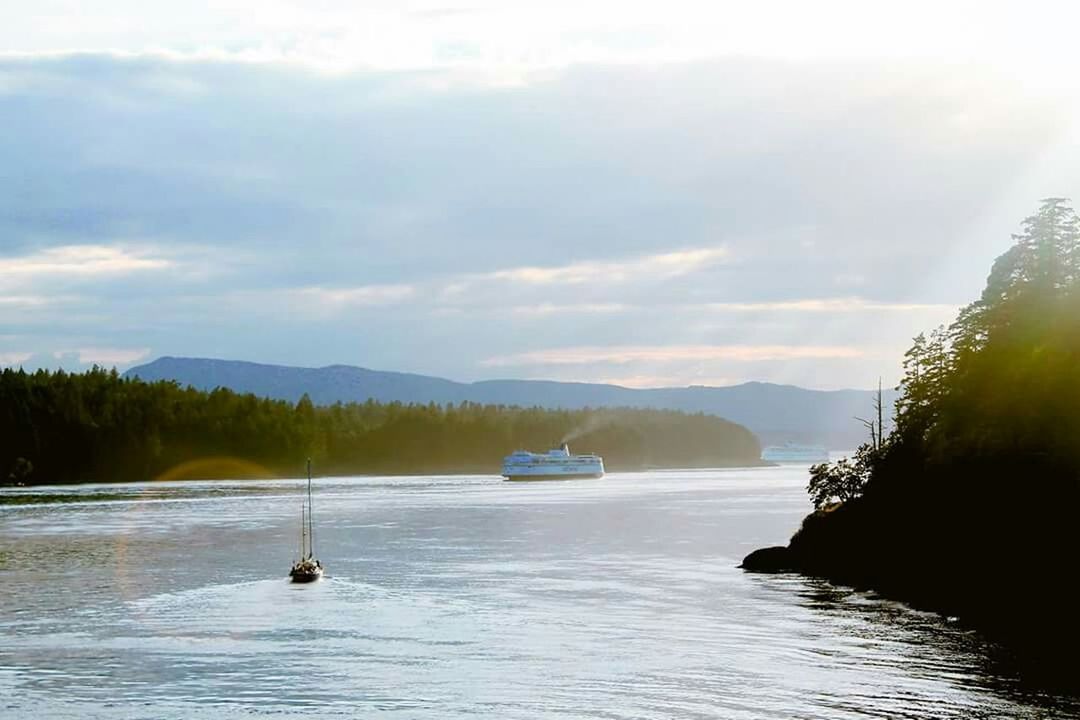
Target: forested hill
775,413
970,504
100,427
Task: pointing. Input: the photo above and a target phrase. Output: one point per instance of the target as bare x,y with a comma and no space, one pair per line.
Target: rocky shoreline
1021,601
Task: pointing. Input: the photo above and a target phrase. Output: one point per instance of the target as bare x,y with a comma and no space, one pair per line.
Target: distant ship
557,464
795,453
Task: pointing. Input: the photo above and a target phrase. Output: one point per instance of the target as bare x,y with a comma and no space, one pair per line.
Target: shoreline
343,475
1014,607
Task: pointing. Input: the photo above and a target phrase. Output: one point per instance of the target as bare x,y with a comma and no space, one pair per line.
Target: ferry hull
566,476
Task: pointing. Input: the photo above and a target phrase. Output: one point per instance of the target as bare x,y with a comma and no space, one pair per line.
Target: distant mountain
775,413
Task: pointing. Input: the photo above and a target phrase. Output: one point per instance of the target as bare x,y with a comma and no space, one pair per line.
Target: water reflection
871,632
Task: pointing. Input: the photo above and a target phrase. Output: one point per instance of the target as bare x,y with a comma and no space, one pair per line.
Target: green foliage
970,505
1004,378
99,427
1001,385
842,480
997,389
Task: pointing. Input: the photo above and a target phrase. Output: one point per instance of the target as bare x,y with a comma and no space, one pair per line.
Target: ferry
557,464
795,453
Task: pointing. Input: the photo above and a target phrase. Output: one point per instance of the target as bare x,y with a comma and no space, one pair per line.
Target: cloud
672,353
258,210
106,356
514,38
32,301
545,309
582,287
650,267
819,306
10,358
364,296
79,261
830,305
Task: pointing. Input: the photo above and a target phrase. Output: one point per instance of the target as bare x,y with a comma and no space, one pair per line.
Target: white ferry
557,464
795,453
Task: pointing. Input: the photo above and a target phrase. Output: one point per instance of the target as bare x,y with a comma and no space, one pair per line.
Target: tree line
997,392
96,426
969,504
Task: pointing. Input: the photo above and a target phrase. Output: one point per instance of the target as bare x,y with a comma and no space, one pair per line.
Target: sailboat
307,568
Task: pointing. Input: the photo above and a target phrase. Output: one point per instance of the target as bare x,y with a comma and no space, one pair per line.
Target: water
461,596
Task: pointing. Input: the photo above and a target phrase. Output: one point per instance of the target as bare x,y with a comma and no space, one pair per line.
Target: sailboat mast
311,530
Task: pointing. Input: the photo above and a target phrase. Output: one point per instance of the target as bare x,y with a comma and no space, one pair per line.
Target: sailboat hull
305,576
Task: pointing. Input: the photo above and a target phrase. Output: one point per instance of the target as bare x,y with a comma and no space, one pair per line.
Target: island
969,505
97,426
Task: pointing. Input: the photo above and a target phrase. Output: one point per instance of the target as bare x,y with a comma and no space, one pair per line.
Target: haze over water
461,596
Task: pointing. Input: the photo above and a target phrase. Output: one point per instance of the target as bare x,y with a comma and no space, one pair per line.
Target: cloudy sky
642,193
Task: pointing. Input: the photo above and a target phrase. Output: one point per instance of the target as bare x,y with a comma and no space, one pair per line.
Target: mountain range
775,413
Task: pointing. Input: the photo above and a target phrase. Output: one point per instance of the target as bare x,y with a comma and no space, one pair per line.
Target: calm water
463,596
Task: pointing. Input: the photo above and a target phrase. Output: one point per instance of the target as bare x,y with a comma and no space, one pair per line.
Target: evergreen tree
97,426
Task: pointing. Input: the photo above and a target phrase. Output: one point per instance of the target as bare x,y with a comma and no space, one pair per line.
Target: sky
648,194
